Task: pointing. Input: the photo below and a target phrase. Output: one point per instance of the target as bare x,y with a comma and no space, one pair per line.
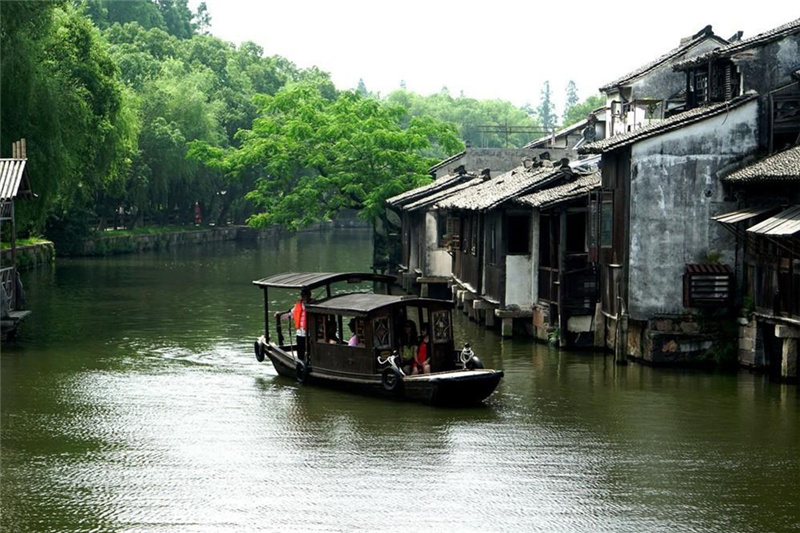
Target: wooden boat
457,377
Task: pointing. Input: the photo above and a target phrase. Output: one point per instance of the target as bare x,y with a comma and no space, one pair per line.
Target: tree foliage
547,109
134,104
471,117
578,112
315,156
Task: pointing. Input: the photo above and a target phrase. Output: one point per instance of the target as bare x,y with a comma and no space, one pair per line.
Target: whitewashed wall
675,189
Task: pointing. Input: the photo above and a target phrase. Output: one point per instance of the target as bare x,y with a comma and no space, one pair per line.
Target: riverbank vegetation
132,109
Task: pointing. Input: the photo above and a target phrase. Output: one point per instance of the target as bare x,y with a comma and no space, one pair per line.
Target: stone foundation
42,253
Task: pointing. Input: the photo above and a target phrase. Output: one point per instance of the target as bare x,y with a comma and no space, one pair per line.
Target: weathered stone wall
675,189
663,82
30,256
767,68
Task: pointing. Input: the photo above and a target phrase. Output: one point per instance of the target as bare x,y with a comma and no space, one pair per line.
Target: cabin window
382,338
442,327
519,234
607,221
353,327
326,330
319,328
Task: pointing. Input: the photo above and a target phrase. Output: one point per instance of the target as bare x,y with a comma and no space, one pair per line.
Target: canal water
132,401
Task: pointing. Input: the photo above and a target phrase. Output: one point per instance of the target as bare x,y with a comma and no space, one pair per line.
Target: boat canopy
313,280
361,304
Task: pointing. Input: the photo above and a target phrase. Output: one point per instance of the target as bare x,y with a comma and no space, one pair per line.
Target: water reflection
134,403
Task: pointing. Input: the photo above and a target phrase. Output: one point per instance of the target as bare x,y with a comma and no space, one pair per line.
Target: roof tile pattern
783,166
727,51
420,192
495,191
432,199
677,121
562,193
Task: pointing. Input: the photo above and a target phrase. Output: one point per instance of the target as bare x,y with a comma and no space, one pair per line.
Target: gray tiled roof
672,54
561,193
447,161
495,191
426,190
676,121
783,166
430,200
542,141
726,51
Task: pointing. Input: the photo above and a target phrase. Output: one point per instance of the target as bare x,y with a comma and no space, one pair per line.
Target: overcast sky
486,48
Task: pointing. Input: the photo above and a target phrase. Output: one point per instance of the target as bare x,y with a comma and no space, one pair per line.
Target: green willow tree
62,92
315,157
318,156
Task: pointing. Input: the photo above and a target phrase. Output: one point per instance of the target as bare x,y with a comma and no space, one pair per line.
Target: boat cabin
379,321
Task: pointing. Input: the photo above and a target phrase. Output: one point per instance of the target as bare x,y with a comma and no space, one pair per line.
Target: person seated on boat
298,313
354,338
422,363
408,347
330,330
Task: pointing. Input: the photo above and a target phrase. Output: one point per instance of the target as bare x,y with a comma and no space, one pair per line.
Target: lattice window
382,338
442,327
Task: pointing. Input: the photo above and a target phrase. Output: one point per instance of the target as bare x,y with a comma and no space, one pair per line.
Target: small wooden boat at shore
457,377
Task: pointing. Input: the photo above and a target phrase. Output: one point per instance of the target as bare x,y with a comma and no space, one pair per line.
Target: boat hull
451,388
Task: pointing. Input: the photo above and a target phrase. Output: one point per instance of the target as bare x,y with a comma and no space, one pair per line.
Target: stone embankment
31,255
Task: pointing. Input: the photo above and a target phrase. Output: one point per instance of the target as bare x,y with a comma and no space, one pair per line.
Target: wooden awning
14,179
743,214
784,224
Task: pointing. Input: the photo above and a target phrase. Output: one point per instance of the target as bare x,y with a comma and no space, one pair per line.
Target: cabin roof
440,184
685,46
497,190
783,166
561,193
733,48
657,128
363,303
312,280
14,179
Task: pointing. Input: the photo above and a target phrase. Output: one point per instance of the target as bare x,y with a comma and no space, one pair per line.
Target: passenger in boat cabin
330,330
354,338
422,363
408,346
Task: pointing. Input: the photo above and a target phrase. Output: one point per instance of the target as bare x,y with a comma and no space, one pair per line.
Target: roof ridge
687,117
647,67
